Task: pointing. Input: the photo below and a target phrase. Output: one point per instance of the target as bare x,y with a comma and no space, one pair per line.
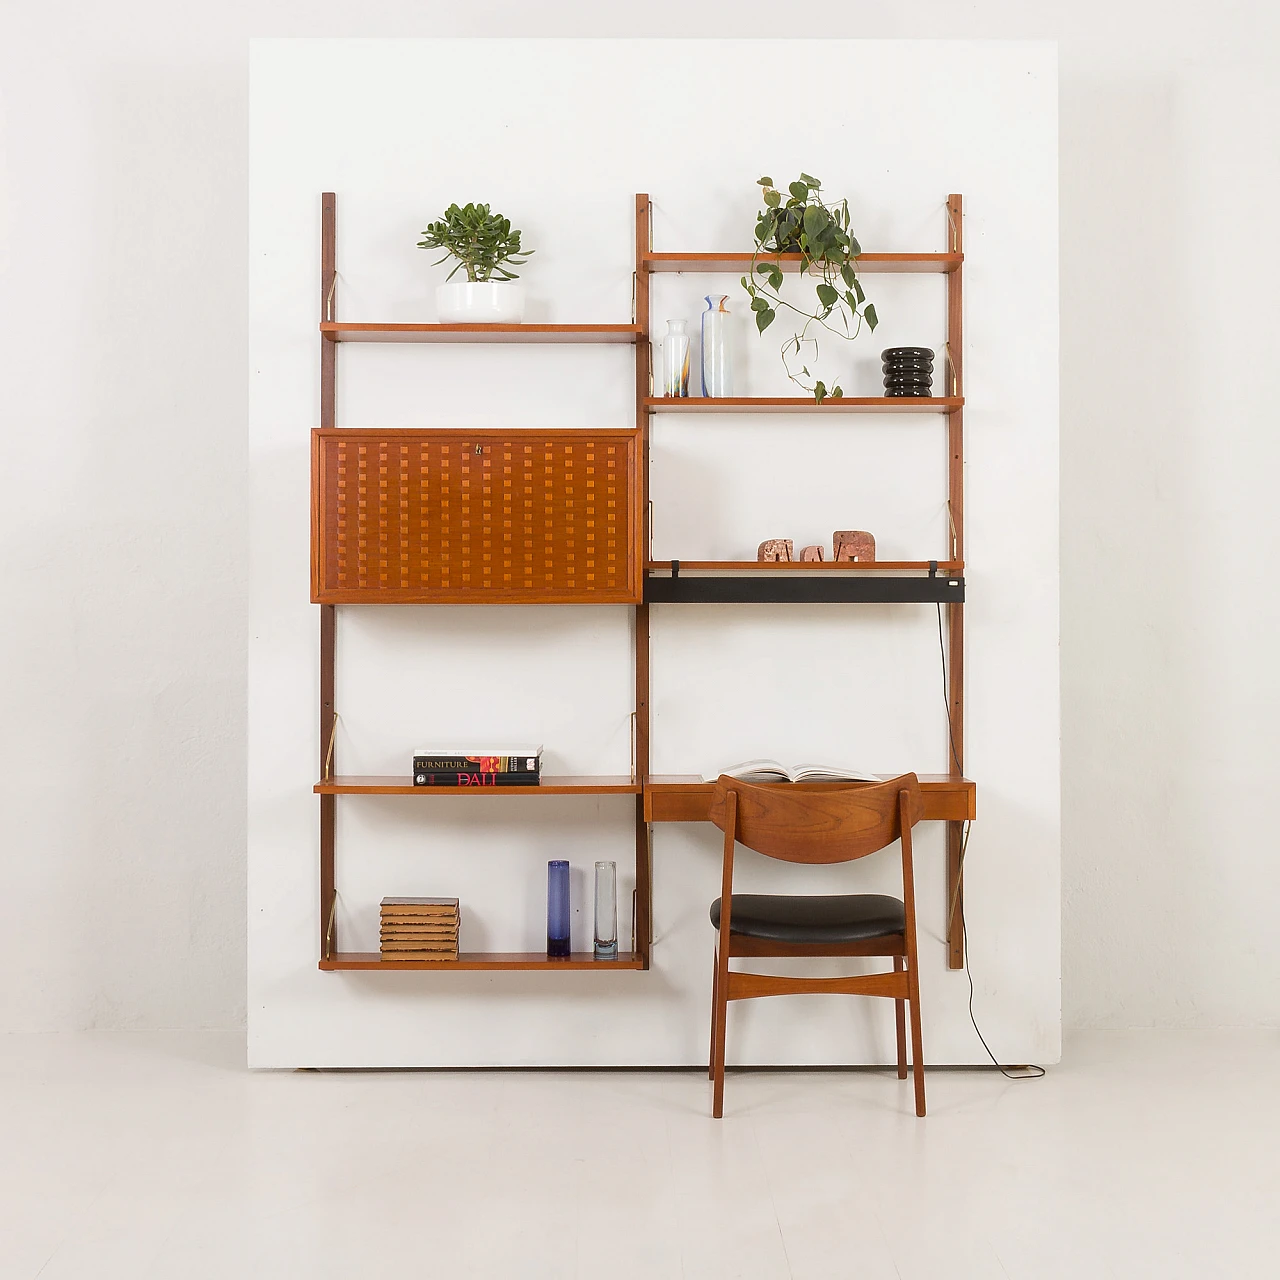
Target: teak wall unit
513,516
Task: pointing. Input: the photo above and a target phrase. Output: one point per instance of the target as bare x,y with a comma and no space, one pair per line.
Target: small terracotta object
813,553
854,544
776,549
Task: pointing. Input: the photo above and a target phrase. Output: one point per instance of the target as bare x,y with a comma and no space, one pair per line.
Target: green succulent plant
821,234
483,242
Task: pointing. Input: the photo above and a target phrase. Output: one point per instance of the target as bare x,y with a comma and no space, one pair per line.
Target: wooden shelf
345,331
685,797
803,404
806,566
580,961
740,263
550,785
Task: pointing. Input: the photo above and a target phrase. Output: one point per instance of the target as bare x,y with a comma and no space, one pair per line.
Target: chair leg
718,1044
900,1018
917,1046
715,979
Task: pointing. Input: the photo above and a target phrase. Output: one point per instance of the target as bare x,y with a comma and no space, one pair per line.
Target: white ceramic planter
490,302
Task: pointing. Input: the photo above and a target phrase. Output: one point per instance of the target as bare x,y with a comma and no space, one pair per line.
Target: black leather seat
801,919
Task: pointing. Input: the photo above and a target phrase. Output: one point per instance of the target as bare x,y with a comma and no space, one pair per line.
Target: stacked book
497,767
420,928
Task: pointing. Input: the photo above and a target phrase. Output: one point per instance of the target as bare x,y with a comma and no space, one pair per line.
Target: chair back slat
818,823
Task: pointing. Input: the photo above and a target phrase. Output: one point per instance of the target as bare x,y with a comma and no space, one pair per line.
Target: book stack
420,928
498,767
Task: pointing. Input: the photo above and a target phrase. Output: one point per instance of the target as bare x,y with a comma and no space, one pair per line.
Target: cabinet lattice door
473,517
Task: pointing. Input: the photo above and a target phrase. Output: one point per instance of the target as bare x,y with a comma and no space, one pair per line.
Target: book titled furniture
534,516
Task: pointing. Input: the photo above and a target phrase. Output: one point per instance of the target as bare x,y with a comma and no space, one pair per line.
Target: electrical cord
1030,1071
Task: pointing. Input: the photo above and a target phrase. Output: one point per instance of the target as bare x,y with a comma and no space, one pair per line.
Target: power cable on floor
1030,1071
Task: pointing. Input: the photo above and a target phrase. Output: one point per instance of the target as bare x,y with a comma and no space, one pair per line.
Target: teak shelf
624,334
551,785
579,961
740,263
464,516
803,404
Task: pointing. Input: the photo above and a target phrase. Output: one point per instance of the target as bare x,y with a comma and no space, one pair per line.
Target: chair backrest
818,823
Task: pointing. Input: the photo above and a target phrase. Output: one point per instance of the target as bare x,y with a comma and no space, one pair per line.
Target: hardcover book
493,759
474,778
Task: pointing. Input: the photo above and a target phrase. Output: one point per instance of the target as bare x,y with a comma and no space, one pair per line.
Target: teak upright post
644,840
955,611
328,613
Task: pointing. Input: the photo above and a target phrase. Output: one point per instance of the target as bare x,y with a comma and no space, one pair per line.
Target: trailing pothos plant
820,233
484,243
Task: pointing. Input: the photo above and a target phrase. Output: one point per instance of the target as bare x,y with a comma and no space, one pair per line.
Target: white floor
157,1155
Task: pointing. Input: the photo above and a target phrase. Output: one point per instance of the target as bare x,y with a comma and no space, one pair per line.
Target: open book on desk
773,771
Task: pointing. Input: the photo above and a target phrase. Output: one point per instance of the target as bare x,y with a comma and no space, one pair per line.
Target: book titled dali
491,767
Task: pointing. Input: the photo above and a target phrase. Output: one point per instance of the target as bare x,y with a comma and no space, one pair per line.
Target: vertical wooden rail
955,612
644,892
328,618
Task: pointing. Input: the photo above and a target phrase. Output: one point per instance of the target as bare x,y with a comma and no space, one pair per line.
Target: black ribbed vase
908,371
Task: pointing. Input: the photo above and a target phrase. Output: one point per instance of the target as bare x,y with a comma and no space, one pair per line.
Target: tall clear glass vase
675,359
717,362
606,911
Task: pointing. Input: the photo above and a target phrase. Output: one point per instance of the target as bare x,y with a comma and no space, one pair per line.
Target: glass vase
675,359
606,936
558,909
717,366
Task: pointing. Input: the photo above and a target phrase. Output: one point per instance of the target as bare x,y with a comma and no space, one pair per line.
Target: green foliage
482,242
820,233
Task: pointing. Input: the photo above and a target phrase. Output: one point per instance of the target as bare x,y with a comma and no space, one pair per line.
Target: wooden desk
681,797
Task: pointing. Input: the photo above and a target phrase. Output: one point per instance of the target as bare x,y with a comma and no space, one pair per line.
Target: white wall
846,683
123,255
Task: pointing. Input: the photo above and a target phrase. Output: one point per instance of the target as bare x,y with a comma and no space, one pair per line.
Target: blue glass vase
557,908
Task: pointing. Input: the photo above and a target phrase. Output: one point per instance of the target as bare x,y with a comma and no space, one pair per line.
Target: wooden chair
817,824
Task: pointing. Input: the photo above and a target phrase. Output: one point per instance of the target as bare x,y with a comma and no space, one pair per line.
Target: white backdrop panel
560,135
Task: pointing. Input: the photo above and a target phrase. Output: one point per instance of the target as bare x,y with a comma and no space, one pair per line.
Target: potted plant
485,247
820,233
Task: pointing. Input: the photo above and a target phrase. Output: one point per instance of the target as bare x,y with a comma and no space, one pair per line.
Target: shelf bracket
328,932
328,755
933,568
675,568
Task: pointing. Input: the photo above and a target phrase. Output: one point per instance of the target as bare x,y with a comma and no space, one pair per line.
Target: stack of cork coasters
908,371
420,928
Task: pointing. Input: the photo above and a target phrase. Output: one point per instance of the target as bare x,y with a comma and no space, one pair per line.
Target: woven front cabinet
475,517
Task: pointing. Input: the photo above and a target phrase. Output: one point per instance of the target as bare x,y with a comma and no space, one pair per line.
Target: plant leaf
846,274
869,315
764,182
813,182
772,199
827,295
837,393
764,319
819,392
799,190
